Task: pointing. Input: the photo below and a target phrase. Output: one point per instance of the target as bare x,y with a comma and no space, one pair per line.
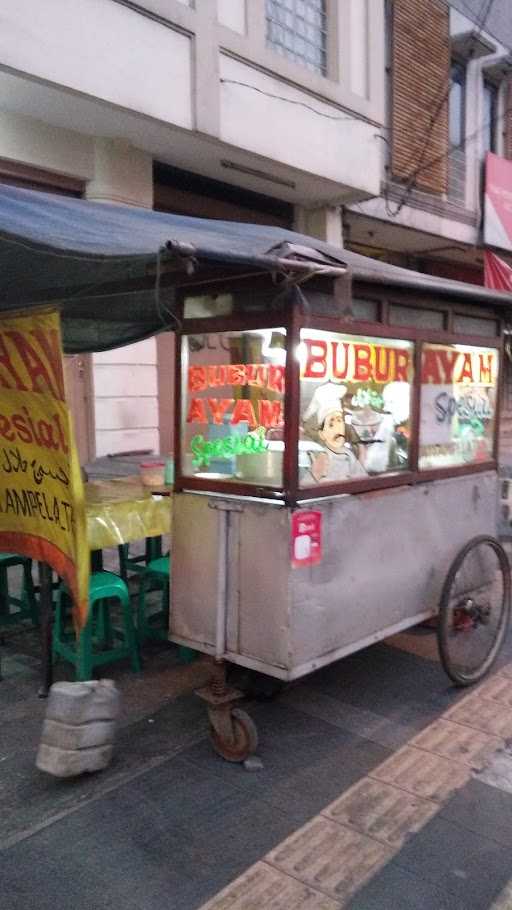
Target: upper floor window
457,101
298,30
490,113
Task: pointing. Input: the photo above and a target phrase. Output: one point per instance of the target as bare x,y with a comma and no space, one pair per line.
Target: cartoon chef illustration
324,421
381,446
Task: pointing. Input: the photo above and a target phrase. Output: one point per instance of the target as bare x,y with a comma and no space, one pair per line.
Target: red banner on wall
498,273
498,202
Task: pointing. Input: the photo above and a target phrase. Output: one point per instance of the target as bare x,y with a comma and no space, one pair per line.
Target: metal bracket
224,506
184,254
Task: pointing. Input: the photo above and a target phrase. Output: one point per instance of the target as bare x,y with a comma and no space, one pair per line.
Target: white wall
307,133
126,398
115,72
102,49
32,142
231,13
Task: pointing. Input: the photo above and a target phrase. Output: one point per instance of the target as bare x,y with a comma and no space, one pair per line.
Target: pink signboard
498,202
306,538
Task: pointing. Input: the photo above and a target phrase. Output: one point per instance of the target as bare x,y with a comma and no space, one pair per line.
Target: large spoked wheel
244,741
474,611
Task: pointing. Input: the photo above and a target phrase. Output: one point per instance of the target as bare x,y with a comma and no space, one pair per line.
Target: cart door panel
386,555
264,613
194,569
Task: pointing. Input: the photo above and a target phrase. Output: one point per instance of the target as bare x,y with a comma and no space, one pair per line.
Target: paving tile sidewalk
342,815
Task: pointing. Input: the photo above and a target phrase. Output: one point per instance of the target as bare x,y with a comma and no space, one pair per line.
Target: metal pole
220,637
45,618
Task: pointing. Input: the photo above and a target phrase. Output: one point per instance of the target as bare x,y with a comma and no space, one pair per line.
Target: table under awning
121,512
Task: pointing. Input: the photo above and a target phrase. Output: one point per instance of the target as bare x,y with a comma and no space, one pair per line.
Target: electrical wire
436,110
166,316
308,107
468,140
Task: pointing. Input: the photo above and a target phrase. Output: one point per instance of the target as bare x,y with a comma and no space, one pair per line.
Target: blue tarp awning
98,262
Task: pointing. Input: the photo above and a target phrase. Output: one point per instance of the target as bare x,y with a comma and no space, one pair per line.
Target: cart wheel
474,611
245,740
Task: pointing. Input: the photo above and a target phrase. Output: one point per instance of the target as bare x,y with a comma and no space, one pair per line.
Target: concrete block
83,702
81,736
72,762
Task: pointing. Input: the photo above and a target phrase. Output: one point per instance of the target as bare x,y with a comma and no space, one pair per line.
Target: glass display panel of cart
233,406
355,406
458,405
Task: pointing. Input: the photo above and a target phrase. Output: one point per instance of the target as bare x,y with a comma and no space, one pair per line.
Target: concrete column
122,174
125,380
325,223
206,69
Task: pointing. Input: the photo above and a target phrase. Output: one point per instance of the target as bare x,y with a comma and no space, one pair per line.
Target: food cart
336,432
336,475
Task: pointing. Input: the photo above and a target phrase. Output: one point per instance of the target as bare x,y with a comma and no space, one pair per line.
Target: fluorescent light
252,172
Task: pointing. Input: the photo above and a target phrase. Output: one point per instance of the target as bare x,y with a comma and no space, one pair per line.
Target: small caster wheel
245,738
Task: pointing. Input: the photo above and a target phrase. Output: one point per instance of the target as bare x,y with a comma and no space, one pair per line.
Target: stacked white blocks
79,729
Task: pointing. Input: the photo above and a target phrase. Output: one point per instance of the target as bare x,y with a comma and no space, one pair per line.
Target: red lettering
30,422
36,369
197,380
362,365
339,372
316,360
256,374
270,413
197,411
448,360
486,369
218,407
19,423
402,366
236,375
430,367
6,362
382,364
45,430
244,410
276,379
5,428
62,438
251,374
216,376
466,368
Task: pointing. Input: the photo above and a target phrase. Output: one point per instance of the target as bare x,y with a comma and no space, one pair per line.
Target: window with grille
298,30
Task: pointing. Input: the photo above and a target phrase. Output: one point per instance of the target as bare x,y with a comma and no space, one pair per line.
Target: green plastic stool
97,642
25,607
156,624
138,564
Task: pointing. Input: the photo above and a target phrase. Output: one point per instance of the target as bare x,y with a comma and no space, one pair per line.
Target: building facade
363,122
449,68
267,110
448,104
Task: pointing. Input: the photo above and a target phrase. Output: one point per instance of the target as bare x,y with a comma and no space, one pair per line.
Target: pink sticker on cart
306,542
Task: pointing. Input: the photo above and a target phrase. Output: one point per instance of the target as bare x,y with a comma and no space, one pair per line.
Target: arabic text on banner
42,512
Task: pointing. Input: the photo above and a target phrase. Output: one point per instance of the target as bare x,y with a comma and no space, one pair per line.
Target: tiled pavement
377,791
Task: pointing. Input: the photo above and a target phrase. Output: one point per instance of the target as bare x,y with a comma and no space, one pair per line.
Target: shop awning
111,272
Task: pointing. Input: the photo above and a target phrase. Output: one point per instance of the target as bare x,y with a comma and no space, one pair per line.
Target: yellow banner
42,510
